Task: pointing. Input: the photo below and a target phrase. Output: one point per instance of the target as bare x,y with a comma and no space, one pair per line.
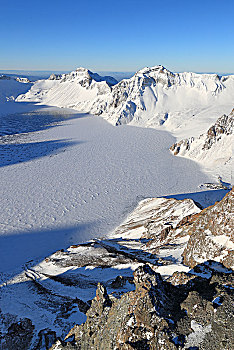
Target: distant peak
155,69
82,70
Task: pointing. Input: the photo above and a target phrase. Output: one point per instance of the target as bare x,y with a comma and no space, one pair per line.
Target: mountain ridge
153,97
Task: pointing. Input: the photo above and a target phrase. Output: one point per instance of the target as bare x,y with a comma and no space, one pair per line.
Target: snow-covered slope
76,90
153,97
162,212
54,294
10,88
213,149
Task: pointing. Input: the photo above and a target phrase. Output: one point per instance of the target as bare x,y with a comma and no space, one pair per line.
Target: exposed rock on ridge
214,148
211,234
158,315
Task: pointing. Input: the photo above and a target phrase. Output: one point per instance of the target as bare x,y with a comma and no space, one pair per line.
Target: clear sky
121,35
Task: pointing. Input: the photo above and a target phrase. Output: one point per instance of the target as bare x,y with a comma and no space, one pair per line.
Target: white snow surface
10,88
75,272
79,180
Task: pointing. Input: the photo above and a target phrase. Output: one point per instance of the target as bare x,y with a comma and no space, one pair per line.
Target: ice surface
79,180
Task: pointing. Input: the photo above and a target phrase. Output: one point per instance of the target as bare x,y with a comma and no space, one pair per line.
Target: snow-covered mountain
153,97
77,89
185,104
11,87
214,148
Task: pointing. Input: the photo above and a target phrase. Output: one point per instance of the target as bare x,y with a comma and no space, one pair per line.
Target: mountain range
184,104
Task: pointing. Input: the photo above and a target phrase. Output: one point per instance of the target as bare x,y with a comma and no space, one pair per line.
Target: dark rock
196,314
19,336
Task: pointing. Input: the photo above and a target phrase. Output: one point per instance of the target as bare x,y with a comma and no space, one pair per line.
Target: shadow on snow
14,153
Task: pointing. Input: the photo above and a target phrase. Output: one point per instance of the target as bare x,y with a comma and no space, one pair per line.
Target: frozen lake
68,177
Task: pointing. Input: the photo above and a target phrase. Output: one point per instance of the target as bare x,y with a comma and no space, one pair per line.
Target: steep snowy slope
74,90
153,97
214,149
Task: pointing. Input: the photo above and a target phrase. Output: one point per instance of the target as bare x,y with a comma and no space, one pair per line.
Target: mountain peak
84,76
82,69
155,69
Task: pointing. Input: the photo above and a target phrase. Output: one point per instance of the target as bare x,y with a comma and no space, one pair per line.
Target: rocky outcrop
10,88
213,148
193,146
19,335
158,315
224,125
211,234
4,77
23,80
153,215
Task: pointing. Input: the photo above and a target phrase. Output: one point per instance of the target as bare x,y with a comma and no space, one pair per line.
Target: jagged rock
22,80
211,234
223,125
120,281
46,339
213,148
154,218
19,336
4,77
55,77
179,278
158,315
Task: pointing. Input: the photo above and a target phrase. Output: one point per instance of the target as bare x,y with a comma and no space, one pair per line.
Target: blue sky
121,35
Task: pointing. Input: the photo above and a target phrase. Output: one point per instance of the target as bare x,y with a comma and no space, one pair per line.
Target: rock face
158,315
84,77
154,96
19,335
211,234
213,148
152,215
189,310
223,126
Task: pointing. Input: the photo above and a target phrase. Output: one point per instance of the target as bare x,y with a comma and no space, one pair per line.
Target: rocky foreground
179,296
186,312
